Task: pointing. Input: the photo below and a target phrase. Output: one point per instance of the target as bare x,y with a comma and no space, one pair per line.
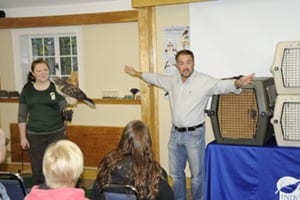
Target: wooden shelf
97,101
117,101
9,100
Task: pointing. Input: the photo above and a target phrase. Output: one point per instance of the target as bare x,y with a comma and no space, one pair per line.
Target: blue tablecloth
236,172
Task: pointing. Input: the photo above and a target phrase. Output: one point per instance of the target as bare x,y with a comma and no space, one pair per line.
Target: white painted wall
232,37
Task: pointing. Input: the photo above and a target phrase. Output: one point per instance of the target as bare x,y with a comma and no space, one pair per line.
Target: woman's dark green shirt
41,110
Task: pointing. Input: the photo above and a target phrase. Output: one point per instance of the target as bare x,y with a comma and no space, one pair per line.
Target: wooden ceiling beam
146,3
68,20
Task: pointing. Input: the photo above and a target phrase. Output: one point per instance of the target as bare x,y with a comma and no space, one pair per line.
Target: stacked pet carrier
270,106
286,73
244,118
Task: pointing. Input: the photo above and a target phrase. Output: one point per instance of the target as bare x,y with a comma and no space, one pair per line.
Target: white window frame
22,54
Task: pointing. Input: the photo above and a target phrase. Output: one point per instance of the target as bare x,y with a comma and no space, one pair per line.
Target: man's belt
192,128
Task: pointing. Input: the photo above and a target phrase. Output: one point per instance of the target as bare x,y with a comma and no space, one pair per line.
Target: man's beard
186,76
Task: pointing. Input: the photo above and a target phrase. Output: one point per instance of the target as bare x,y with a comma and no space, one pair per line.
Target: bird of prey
72,93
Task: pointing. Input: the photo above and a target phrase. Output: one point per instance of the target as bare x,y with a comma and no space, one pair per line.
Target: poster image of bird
72,93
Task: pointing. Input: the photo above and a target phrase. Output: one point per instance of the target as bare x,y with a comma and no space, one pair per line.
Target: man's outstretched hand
131,71
244,80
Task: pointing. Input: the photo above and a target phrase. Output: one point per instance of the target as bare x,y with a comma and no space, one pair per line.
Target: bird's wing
75,92
72,91
70,99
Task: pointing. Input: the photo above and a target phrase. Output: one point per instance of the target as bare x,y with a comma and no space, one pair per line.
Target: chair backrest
14,185
120,192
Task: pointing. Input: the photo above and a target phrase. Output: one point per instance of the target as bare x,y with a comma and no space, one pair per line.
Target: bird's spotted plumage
72,93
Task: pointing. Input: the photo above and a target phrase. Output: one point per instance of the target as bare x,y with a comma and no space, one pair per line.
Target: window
59,51
59,47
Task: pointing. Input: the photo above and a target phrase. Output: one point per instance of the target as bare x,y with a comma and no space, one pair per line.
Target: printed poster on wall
176,38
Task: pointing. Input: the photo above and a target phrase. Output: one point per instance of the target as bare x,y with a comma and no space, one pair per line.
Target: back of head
136,141
62,164
136,144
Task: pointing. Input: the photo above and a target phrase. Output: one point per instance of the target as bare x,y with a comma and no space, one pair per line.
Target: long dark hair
146,172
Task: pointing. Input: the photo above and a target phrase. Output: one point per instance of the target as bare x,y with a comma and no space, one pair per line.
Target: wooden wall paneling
17,154
148,62
94,142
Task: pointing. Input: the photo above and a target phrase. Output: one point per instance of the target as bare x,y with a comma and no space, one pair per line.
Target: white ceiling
41,3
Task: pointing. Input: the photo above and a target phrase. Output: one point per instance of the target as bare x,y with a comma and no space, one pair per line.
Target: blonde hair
62,164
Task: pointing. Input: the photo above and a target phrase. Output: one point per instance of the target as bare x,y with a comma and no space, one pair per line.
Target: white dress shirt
188,100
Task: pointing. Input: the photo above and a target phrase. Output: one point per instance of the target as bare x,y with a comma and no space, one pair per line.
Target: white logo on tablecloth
288,188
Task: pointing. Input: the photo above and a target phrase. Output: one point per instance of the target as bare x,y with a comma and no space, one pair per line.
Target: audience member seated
62,167
3,144
132,163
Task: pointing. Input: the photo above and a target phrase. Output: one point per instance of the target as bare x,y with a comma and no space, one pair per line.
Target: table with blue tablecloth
239,172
